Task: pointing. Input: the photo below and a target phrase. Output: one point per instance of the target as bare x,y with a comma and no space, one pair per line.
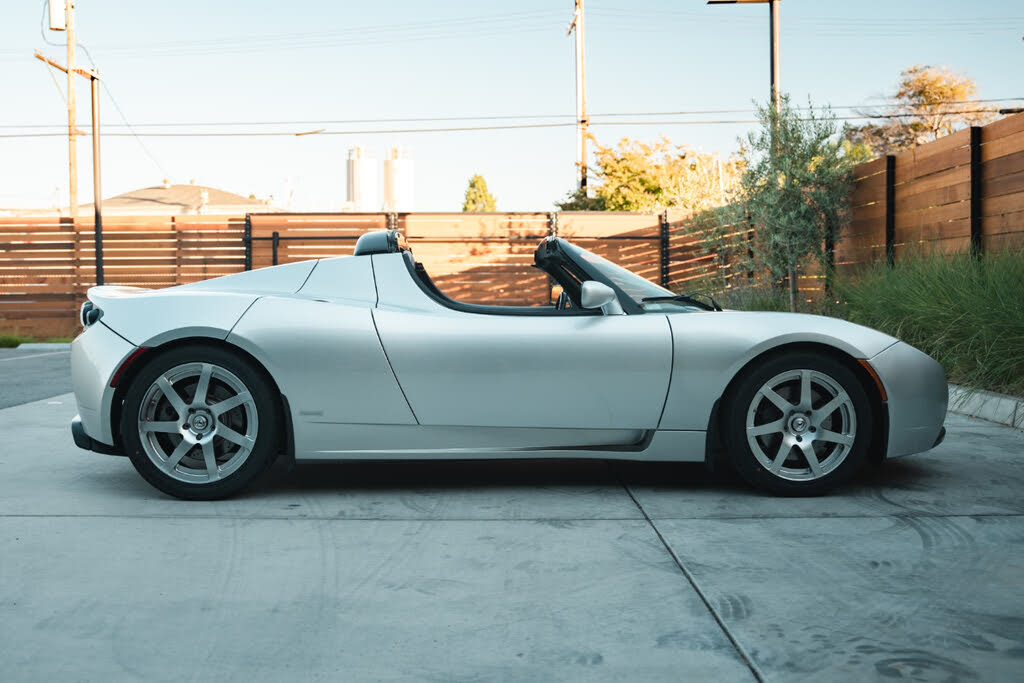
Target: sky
325,64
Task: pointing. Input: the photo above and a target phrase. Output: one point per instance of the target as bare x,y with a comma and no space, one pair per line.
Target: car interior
547,258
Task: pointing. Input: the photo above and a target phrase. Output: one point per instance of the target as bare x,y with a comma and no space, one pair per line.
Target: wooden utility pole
69,19
581,98
94,81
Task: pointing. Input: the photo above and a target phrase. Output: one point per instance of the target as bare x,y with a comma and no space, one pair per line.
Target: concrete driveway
525,570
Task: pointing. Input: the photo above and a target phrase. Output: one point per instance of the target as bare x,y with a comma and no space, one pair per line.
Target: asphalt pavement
34,373
516,570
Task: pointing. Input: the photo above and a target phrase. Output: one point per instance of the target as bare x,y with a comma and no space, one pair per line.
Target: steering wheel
563,302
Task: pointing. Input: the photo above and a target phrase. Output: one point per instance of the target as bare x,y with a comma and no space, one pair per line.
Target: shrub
966,313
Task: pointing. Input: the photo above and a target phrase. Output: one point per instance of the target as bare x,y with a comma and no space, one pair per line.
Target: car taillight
125,363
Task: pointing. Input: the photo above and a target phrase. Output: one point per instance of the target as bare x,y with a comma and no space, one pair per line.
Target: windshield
636,287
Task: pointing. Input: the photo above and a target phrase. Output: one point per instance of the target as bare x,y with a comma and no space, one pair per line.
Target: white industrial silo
362,181
398,181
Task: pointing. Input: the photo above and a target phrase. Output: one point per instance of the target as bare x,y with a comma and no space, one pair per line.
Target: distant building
399,184
362,182
165,200
179,200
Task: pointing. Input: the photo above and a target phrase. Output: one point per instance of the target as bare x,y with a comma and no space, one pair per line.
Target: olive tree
795,187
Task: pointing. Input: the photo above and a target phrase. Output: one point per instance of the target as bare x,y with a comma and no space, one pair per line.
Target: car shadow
874,480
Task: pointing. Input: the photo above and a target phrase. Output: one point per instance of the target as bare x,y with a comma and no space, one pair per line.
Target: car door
540,371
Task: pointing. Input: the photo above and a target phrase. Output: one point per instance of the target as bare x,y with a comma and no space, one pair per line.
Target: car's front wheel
200,422
798,424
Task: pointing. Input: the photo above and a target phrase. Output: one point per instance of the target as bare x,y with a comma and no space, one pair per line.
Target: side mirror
595,294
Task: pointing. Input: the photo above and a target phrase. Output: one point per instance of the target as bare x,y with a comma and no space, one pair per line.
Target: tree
477,196
929,102
581,201
638,176
795,187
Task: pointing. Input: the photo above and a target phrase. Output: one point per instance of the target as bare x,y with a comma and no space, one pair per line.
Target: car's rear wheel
200,422
798,424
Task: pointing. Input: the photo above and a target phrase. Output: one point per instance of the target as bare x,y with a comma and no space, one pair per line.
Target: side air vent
89,314
381,242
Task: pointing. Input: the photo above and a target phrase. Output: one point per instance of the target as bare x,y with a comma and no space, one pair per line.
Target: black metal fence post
976,190
664,244
890,210
98,242
552,232
247,240
275,240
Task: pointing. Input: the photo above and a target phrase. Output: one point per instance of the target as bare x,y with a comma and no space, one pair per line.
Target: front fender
711,348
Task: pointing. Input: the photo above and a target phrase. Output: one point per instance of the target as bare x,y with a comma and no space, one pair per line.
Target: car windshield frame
625,282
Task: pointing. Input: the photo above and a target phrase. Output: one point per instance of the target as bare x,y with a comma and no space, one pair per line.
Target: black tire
823,371
258,418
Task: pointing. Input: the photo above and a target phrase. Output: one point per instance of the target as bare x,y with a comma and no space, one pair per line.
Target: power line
510,117
454,129
106,87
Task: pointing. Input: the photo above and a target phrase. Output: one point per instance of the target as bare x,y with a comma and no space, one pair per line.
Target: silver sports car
362,357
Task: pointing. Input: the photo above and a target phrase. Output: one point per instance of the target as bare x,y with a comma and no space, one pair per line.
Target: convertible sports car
362,357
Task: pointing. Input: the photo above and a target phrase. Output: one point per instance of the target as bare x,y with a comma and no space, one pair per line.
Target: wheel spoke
203,386
767,428
231,435
780,456
832,406
224,406
780,403
179,452
834,437
812,458
171,395
805,389
162,427
211,461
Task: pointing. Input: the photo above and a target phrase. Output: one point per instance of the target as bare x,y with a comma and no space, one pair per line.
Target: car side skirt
407,442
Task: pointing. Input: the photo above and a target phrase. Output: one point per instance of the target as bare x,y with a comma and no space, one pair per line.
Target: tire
784,443
200,447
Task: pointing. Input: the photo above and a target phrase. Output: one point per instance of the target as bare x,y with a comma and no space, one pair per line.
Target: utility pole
581,98
69,22
94,81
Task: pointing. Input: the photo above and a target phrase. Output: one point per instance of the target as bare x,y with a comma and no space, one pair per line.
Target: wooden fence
47,264
962,192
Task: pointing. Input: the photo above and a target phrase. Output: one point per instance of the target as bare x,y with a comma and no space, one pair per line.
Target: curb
40,346
987,405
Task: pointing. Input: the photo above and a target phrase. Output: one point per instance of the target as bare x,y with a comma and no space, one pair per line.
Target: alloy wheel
198,422
801,425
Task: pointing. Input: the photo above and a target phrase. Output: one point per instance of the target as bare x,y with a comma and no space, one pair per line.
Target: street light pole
581,99
773,22
97,202
773,19
97,197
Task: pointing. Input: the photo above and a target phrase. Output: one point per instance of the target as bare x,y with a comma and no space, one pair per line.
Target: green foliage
477,196
580,201
929,102
966,313
10,341
637,176
757,296
796,186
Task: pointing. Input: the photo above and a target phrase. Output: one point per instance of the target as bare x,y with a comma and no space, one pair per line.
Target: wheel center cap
798,424
199,423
